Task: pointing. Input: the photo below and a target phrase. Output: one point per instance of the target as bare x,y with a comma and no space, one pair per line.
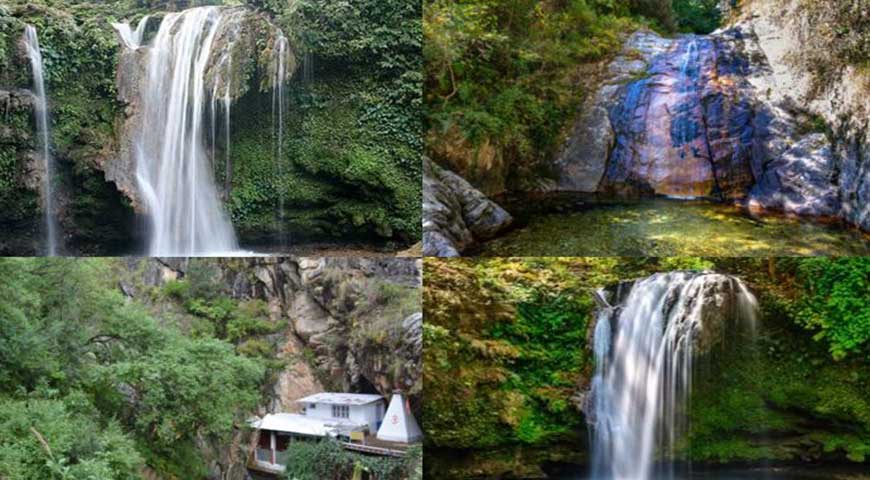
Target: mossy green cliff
349,170
507,358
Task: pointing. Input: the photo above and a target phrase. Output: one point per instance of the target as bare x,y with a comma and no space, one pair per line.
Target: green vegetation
351,161
351,165
327,460
783,396
506,355
836,303
697,16
503,78
92,386
79,53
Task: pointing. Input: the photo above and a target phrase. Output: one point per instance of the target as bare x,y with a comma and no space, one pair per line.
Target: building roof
341,398
303,425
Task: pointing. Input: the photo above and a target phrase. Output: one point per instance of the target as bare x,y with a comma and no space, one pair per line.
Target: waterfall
40,107
172,171
278,107
226,99
644,347
228,167
132,39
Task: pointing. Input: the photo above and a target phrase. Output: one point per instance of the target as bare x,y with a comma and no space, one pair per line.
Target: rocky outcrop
344,330
676,117
583,159
335,308
779,31
244,42
801,180
732,115
455,214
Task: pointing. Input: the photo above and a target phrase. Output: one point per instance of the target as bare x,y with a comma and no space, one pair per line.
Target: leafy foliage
327,460
835,304
63,439
503,75
104,386
697,16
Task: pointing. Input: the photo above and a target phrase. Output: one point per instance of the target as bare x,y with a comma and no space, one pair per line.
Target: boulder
583,158
455,214
802,181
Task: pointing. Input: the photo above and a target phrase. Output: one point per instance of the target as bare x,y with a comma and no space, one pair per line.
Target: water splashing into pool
644,349
40,106
172,168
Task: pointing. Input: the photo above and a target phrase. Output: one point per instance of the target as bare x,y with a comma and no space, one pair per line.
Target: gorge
732,118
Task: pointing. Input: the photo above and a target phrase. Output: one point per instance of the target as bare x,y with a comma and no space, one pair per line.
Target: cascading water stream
171,161
278,107
31,43
132,39
644,348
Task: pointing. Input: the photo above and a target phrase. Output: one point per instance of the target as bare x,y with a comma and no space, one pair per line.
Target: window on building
341,411
312,406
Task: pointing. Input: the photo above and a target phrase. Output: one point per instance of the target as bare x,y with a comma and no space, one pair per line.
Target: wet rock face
724,116
455,214
801,181
244,41
710,305
684,129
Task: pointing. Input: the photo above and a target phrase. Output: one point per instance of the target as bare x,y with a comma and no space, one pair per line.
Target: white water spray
31,44
278,107
132,39
172,164
644,349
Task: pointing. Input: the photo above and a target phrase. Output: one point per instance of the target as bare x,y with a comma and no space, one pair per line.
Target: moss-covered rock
350,161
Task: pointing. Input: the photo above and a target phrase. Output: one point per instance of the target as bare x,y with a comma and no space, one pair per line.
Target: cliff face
340,324
741,114
349,164
338,309
807,77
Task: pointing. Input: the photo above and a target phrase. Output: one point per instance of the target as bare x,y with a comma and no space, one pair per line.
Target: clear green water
663,227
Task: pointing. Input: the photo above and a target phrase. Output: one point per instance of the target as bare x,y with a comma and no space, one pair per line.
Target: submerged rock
455,214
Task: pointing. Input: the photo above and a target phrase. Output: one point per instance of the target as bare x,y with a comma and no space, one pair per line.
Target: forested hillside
508,351
144,368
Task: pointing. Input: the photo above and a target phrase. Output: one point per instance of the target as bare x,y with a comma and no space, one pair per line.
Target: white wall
364,414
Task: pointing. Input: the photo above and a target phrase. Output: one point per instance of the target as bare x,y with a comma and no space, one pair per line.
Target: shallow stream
663,227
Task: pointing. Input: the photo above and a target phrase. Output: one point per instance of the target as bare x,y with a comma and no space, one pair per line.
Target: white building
334,415
360,409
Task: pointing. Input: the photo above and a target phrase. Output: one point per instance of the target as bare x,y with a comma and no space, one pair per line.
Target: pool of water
664,227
